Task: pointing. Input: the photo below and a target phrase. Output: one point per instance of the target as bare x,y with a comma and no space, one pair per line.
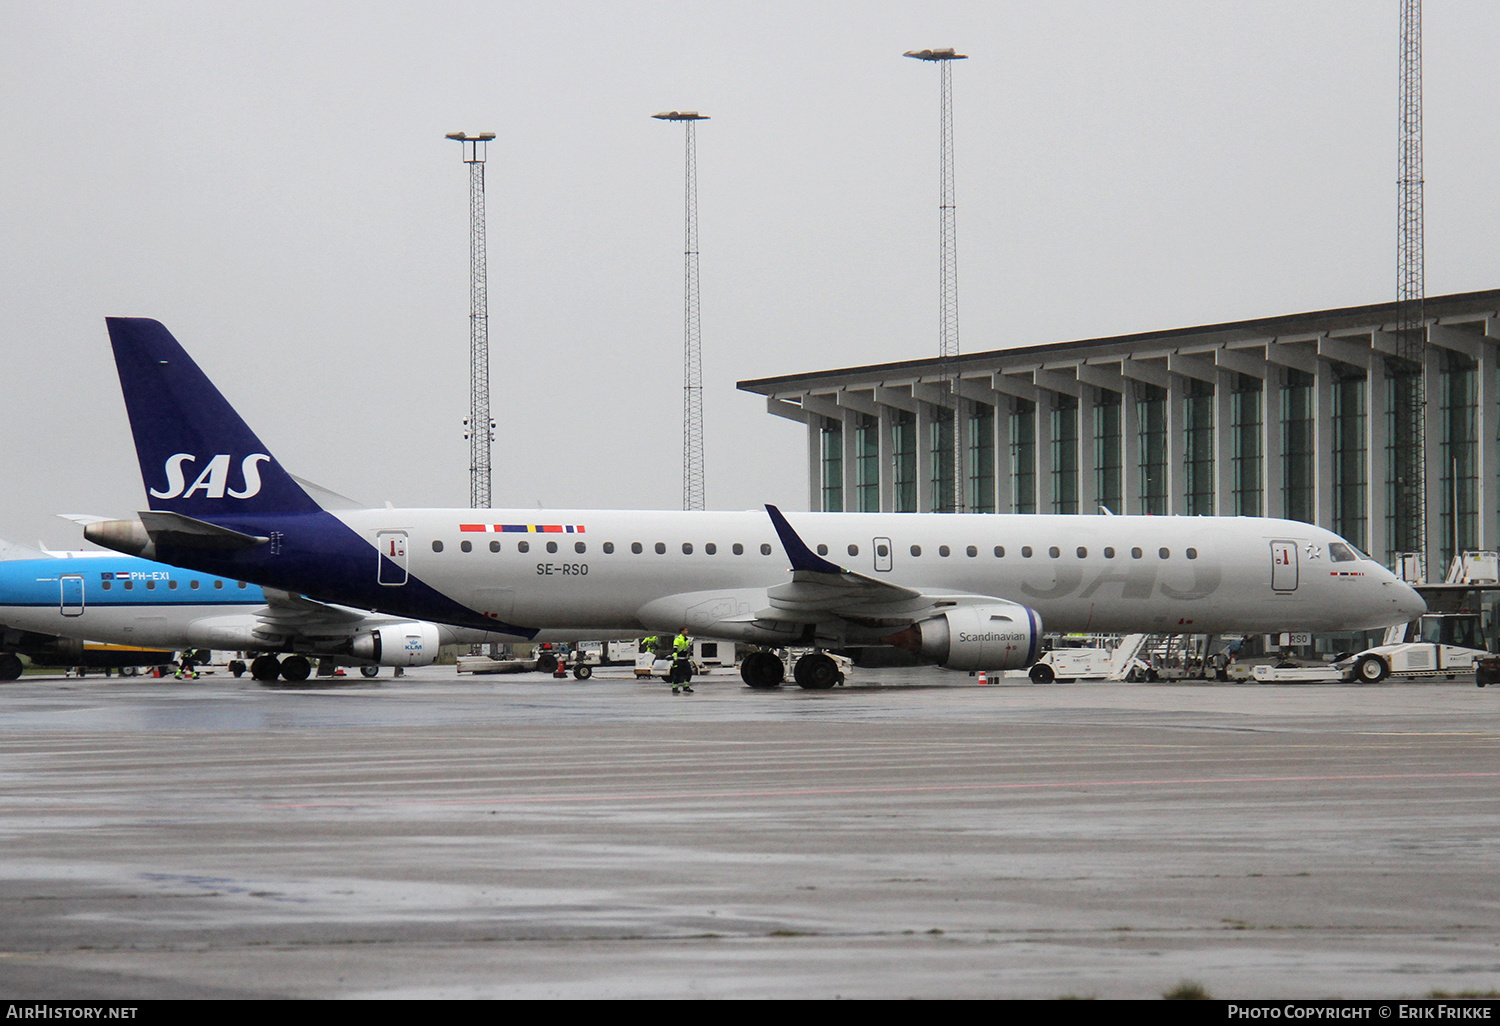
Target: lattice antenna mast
1411,332
692,358
948,259
478,428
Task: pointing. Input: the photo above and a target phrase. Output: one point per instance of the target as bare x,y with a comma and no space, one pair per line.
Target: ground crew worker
682,663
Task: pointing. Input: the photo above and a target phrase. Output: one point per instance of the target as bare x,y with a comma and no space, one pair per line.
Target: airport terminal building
1288,416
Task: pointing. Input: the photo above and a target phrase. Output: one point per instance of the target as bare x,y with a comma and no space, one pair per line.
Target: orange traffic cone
983,680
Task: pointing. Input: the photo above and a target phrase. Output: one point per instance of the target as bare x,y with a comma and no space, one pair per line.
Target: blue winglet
802,557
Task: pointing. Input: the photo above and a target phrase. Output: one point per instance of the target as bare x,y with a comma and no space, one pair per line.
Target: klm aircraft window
130,586
1083,553
466,545
1341,553
1192,553
1164,553
523,546
1109,552
1025,551
552,546
711,548
217,584
944,551
150,585
171,585
635,547
193,584
739,550
105,585
972,551
822,550
609,547
494,546
765,550
1054,552
661,547
916,550
854,550
1136,553
999,551
241,585
437,546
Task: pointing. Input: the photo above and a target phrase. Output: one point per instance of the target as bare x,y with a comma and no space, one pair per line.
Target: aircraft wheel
369,671
237,667
10,666
816,671
1041,673
295,668
762,670
581,672
265,668
1371,670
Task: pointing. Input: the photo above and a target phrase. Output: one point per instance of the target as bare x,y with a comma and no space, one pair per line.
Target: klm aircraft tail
198,457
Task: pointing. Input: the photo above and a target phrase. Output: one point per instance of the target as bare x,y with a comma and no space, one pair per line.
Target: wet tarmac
909,835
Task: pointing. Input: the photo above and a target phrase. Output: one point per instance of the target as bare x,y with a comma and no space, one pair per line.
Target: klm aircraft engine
398,644
987,637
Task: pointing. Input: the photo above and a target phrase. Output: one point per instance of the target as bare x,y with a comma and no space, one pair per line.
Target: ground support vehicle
1441,645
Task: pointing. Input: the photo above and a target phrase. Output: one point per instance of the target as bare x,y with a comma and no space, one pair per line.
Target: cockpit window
1342,553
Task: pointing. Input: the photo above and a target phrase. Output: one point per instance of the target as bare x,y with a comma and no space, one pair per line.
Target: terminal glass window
1107,464
1151,414
904,460
940,448
867,462
1458,526
1350,484
982,458
1023,455
1401,390
1297,457
1245,398
1065,455
1198,447
832,438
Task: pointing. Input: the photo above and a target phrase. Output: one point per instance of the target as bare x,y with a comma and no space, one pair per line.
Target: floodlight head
945,54
680,115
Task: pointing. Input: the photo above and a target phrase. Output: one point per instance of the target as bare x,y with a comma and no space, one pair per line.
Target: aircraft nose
1407,601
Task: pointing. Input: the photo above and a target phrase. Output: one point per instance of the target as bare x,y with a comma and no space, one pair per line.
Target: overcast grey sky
271,180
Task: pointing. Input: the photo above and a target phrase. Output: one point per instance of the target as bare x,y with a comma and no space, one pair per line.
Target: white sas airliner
966,591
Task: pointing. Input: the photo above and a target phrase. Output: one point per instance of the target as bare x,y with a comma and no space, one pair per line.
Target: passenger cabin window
552,546
635,547
999,551
1054,552
944,551
1192,553
1136,553
1164,553
609,548
854,550
1083,553
822,550
916,550
580,547
661,548
494,546
710,548
1025,551
466,545
971,551
1109,552
765,550
105,585
437,546
738,549
523,546
687,548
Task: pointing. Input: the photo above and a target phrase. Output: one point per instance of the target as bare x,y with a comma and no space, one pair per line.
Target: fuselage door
72,595
882,550
1283,566
392,548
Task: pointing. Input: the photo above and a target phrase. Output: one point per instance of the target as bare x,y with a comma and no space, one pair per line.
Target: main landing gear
293,669
816,671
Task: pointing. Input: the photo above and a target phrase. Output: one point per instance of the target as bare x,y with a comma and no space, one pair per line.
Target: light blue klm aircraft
134,611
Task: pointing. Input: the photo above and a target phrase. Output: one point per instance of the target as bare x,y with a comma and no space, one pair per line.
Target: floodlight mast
1409,463
693,496
948,260
478,428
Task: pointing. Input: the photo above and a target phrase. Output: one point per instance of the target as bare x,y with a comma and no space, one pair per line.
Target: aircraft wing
287,615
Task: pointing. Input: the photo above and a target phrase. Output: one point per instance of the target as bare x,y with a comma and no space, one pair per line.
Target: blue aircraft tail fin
198,457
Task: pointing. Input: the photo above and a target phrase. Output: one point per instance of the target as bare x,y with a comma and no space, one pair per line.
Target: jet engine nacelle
398,644
990,637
